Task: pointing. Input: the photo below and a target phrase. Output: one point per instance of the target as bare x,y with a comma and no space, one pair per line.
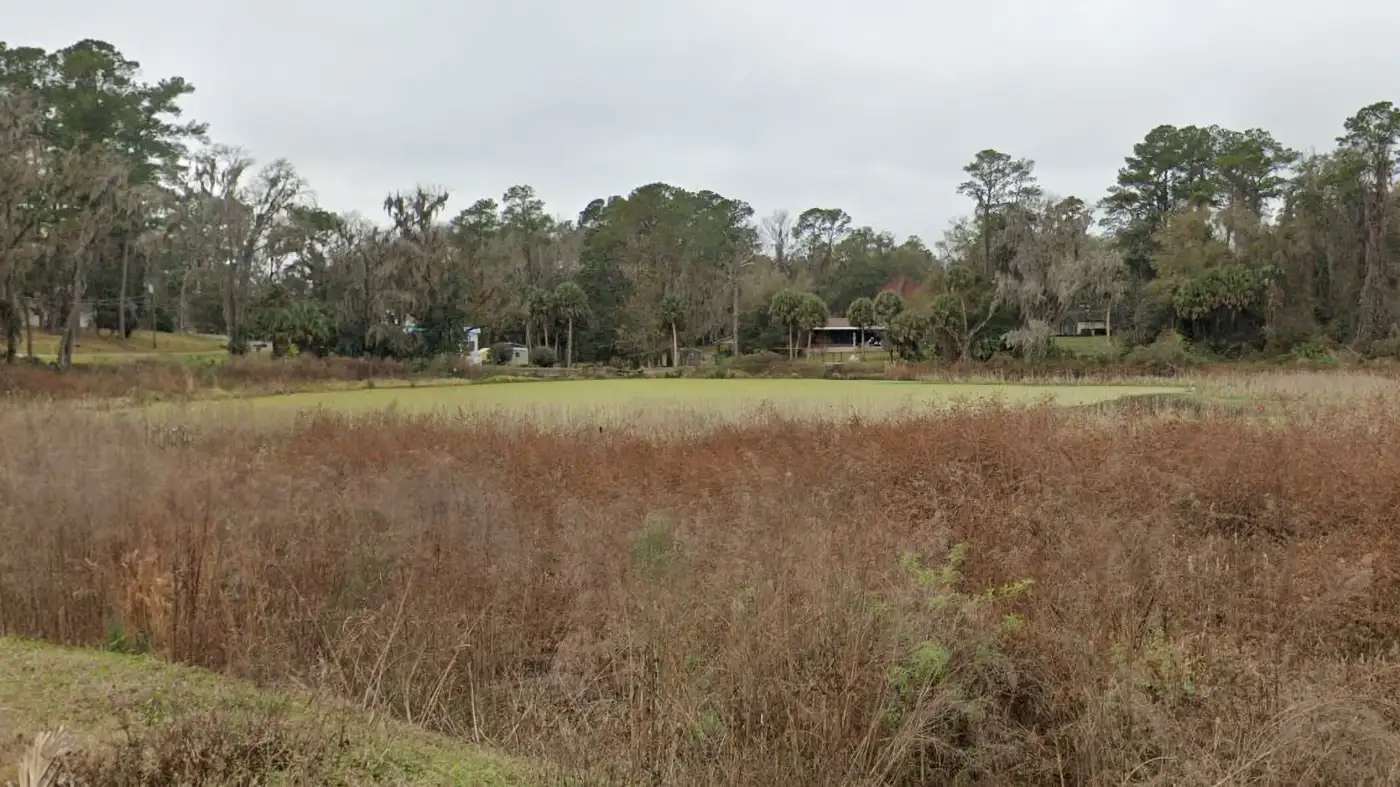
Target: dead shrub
1191,595
214,748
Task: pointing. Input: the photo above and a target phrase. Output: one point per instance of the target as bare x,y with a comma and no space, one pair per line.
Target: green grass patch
635,402
191,726
91,348
213,356
1087,346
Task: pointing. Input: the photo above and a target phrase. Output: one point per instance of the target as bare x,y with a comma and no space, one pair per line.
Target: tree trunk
987,241
675,348
367,310
240,272
52,317
229,327
528,333
1374,314
1108,322
1372,305
121,300
70,332
12,313
734,347
185,300
569,350
28,331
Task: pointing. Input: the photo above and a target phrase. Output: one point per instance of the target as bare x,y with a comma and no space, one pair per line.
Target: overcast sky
868,105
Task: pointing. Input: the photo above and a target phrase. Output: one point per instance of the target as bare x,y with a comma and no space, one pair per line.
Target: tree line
114,207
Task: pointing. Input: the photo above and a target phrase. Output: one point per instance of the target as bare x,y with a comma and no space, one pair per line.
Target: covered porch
839,337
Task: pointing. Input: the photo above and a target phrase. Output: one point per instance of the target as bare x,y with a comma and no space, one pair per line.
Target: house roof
843,324
1087,312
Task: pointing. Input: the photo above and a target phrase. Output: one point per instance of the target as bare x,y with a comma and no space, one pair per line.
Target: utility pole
151,307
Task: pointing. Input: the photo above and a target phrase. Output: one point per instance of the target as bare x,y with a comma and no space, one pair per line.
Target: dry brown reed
1148,599
147,379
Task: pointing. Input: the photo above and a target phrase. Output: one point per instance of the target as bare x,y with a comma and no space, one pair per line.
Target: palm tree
571,304
784,308
811,314
888,305
537,306
861,314
672,313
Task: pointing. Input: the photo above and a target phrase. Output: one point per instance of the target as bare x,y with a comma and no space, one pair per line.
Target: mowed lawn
1086,346
91,348
624,402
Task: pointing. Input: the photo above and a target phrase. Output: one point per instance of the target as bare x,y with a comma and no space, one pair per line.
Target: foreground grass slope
138,720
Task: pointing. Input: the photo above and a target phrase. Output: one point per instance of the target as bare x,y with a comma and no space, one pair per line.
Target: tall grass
147,379
1029,596
151,379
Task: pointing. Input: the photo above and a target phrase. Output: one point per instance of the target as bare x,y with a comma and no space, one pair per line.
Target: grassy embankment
132,719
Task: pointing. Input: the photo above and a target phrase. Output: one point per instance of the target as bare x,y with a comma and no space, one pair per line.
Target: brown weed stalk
997,596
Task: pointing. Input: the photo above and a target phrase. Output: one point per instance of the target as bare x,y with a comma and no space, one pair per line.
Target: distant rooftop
843,324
